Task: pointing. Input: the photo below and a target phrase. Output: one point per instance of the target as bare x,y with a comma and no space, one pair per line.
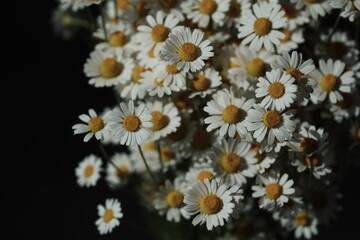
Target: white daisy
165,118
314,163
172,75
148,58
156,84
119,37
107,69
232,161
133,89
204,83
291,41
169,199
264,159
259,27
273,189
296,18
95,125
118,172
277,90
313,9
199,171
333,79
247,65
74,5
129,124
295,66
347,108
187,49
349,8
167,6
270,124
304,224
88,171
124,10
212,202
237,8
228,113
202,12
109,216
156,32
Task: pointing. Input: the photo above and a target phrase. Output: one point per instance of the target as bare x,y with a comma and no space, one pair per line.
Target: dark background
45,90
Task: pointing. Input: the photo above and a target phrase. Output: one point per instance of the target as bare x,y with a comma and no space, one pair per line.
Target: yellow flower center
210,204
188,52
290,11
200,83
207,7
110,68
136,73
179,134
308,145
296,74
95,124
204,174
302,218
167,154
287,34
172,69
108,215
131,123
234,9
262,26
88,171
336,50
231,162
117,39
159,33
271,119
122,171
329,83
276,90
159,120
311,1
256,67
168,3
232,114
201,140
313,160
122,4
273,191
319,200
174,199
150,53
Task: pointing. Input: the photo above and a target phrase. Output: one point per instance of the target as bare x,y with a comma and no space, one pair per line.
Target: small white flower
88,171
109,216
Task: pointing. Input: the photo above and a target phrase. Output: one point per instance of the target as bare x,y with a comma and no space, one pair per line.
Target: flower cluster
236,114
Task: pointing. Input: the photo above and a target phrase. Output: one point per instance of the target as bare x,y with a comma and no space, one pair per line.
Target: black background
44,92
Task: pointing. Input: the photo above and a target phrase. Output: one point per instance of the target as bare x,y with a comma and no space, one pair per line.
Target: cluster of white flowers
232,111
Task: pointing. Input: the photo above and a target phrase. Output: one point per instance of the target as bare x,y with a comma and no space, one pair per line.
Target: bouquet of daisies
230,111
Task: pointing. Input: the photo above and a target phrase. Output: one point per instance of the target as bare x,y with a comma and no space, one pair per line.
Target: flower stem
106,156
103,20
147,166
336,24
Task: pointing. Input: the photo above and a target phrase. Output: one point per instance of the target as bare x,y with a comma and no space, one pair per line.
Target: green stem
336,24
147,166
106,156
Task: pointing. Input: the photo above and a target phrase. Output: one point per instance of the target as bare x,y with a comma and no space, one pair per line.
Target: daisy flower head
349,8
165,118
94,125
259,27
148,58
271,124
133,89
172,75
314,163
299,69
264,158
232,161
291,41
74,5
212,202
169,199
124,10
228,113
157,84
187,49
168,7
205,82
129,124
304,223
106,69
277,90
273,189
202,12
154,34
199,171
119,37
247,65
333,79
119,171
313,8
347,108
109,215
88,171
296,18
237,8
